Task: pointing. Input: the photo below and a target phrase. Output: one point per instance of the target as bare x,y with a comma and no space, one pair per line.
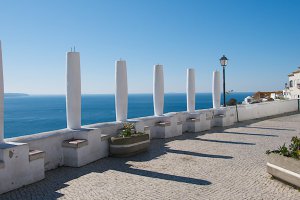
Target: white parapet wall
97,134
265,109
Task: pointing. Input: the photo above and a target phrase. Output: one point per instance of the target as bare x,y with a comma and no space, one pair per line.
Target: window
291,83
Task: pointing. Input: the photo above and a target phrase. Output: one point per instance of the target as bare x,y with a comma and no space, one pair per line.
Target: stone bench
75,143
35,155
179,123
105,137
75,152
192,120
222,119
167,129
193,125
16,157
1,164
146,128
219,116
163,124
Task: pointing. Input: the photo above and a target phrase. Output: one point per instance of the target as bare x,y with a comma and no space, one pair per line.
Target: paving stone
223,163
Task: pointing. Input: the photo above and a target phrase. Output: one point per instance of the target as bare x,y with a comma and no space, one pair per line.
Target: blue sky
261,39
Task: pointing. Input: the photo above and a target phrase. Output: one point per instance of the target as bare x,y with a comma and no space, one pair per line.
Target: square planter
284,168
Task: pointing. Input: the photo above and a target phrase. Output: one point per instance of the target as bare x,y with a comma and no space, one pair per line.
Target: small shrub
128,130
232,102
292,151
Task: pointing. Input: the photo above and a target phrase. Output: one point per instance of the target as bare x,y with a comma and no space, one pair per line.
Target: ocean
31,114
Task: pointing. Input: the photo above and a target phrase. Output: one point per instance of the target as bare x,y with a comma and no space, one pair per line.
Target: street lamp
223,62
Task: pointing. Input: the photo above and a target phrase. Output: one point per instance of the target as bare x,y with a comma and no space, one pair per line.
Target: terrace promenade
223,163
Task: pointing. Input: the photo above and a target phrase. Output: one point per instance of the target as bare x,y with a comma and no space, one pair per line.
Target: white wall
51,142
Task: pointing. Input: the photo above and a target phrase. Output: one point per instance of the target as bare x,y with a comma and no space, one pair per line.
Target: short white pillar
121,95
216,90
73,97
1,99
158,90
190,90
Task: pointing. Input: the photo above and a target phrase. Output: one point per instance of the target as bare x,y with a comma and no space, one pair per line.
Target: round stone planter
128,146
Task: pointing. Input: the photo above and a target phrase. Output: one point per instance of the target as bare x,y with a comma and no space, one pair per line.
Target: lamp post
223,62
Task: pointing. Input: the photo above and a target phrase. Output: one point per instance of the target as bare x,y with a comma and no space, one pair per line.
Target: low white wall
51,142
265,109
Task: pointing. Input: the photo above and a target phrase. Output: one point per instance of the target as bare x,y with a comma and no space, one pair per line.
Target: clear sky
261,38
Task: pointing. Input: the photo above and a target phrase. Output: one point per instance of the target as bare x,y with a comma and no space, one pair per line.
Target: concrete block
90,145
18,170
193,125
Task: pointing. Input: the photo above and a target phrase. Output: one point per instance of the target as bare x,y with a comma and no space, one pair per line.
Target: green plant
293,150
127,130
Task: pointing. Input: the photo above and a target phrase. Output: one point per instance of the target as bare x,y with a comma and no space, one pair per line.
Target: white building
292,88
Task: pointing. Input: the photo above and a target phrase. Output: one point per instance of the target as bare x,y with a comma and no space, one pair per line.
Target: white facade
292,91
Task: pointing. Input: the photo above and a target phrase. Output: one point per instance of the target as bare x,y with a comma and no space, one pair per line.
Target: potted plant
128,142
284,162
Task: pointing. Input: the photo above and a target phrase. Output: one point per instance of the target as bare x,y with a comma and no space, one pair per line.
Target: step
36,154
75,143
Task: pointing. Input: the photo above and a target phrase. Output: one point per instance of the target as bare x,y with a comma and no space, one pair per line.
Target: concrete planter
128,146
284,168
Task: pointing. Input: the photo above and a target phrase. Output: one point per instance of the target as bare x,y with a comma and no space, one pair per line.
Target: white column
1,99
121,95
216,89
190,90
73,97
158,90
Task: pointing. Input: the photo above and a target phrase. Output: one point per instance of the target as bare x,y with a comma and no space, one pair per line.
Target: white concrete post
158,90
73,97
216,90
190,90
1,99
121,95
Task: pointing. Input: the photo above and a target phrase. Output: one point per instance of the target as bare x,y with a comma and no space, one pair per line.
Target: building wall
294,91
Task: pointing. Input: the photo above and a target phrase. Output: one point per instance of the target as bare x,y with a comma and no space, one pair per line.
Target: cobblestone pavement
223,163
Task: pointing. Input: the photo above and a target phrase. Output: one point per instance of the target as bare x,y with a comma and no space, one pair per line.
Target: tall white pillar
158,90
216,89
190,90
121,96
73,97
1,99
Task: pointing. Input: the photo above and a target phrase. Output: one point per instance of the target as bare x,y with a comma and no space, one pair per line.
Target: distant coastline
15,95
